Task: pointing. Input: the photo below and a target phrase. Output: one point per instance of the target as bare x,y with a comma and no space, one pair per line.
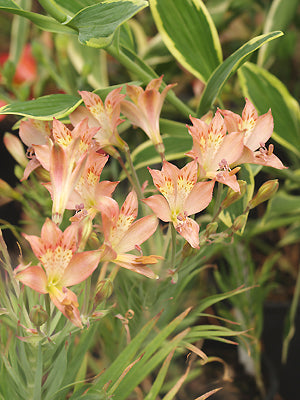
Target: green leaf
266,91
96,24
125,357
56,374
189,33
73,6
44,108
279,16
42,21
229,67
145,154
38,374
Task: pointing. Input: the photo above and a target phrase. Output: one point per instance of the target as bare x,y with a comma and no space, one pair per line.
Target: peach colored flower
122,234
88,188
144,109
215,150
182,196
104,116
61,266
256,131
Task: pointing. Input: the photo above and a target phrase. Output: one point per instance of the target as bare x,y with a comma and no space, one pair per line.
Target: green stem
134,178
173,254
48,310
147,77
217,207
54,10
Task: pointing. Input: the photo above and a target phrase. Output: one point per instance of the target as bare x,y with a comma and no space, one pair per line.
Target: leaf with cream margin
188,31
97,23
266,91
228,67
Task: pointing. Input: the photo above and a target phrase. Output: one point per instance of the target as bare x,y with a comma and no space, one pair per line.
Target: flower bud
265,192
211,228
38,316
239,223
232,196
104,290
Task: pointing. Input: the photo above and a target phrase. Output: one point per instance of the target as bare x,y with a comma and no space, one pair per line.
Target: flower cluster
73,160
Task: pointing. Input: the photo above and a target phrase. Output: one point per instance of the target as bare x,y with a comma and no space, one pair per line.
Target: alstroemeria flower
144,110
122,234
256,131
215,150
33,133
106,117
88,188
64,157
61,266
182,196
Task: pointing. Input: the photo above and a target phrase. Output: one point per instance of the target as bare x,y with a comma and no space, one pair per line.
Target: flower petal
136,264
67,303
199,198
34,277
159,206
137,233
189,229
81,266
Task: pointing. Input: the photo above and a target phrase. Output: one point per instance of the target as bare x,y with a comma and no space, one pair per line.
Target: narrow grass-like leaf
290,328
225,70
209,301
208,394
37,391
279,16
148,363
42,21
117,367
56,374
97,23
159,380
189,33
266,91
171,394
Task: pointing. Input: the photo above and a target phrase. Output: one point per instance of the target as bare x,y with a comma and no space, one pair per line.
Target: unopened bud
239,223
15,148
232,196
38,316
6,191
211,228
265,192
104,290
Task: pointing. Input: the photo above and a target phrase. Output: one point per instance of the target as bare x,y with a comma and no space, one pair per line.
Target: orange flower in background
215,150
144,109
122,234
256,131
182,196
61,266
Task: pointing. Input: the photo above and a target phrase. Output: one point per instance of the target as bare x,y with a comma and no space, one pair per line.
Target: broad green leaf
42,21
266,91
44,108
189,33
229,67
283,204
145,154
97,23
279,16
73,6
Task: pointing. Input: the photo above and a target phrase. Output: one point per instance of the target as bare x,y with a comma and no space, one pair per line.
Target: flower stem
217,207
134,178
54,10
173,255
